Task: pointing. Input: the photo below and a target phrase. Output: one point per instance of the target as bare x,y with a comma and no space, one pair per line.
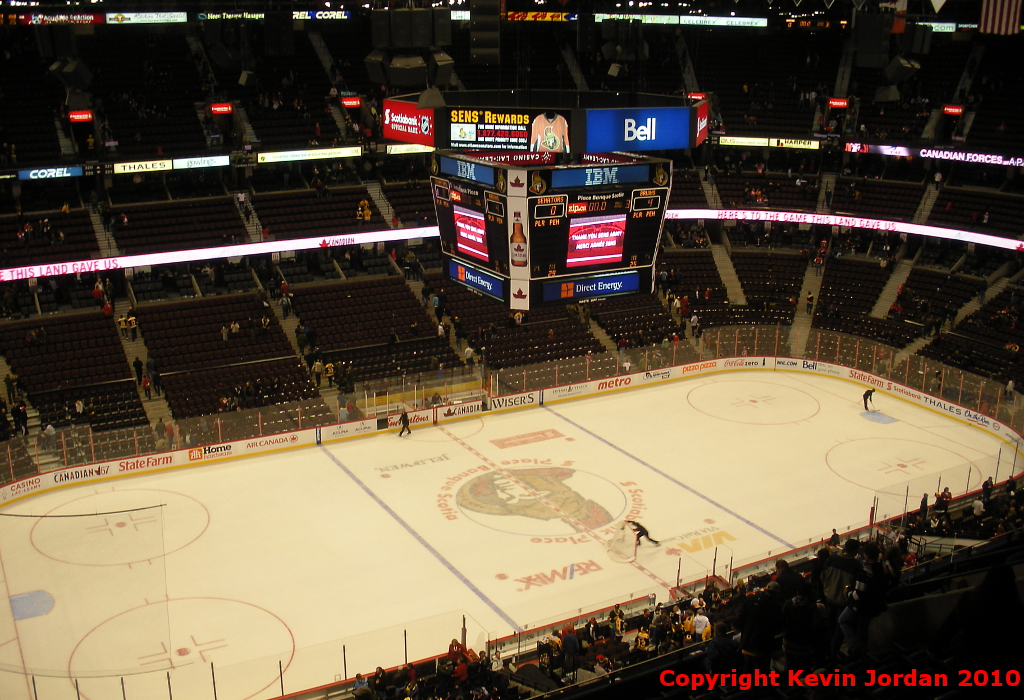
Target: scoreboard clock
551,234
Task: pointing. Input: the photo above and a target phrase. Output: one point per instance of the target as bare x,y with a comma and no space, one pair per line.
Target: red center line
580,527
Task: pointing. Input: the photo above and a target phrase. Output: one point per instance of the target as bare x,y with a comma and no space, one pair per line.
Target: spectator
835,579
866,599
761,621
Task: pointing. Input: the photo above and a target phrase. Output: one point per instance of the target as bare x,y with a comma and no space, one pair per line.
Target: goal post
622,545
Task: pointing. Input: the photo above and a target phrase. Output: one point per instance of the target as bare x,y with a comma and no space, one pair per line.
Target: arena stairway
728,274
329,394
826,183
801,327
253,225
924,209
963,312
249,134
606,341
888,295
381,201
157,407
108,246
327,60
200,109
973,305
67,146
47,460
711,194
574,69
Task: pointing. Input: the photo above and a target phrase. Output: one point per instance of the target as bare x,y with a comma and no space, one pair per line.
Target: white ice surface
287,557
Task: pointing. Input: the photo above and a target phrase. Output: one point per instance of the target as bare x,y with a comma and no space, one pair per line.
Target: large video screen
470,233
471,222
575,233
596,240
541,131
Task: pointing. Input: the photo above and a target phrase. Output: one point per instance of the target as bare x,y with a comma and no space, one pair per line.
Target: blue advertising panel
642,129
477,279
599,176
50,173
592,286
467,170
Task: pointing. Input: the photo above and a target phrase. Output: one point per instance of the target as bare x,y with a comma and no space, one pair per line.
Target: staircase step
711,194
728,274
924,209
381,201
826,184
67,146
156,407
574,68
107,244
973,305
888,294
801,328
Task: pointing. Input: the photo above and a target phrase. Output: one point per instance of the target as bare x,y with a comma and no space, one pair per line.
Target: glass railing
80,444
335,661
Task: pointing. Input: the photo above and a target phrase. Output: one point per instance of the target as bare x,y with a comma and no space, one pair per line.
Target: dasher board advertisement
540,131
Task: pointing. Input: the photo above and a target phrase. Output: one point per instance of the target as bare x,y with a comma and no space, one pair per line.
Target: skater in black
641,531
868,397
405,424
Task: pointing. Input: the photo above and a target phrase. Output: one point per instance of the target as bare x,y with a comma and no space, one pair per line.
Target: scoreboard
531,236
573,233
472,224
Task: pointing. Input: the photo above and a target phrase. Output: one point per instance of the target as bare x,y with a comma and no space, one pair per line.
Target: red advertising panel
81,115
838,102
470,236
954,110
403,121
222,108
351,102
700,124
595,240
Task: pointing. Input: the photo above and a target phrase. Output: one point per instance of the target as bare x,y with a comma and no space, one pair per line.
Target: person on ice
868,396
641,531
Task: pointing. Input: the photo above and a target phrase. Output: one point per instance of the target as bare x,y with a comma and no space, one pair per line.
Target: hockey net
622,546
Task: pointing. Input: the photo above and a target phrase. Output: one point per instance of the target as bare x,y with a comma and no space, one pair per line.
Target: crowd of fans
910,306
687,234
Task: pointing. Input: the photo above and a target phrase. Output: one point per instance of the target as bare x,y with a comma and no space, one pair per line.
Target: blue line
672,479
426,545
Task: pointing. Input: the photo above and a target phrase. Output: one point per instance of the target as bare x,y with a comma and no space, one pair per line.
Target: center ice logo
545,494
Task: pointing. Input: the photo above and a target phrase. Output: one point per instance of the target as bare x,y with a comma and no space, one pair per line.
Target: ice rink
275,562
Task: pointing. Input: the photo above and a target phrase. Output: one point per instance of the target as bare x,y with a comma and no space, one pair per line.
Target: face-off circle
511,505
879,463
753,402
193,632
132,532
